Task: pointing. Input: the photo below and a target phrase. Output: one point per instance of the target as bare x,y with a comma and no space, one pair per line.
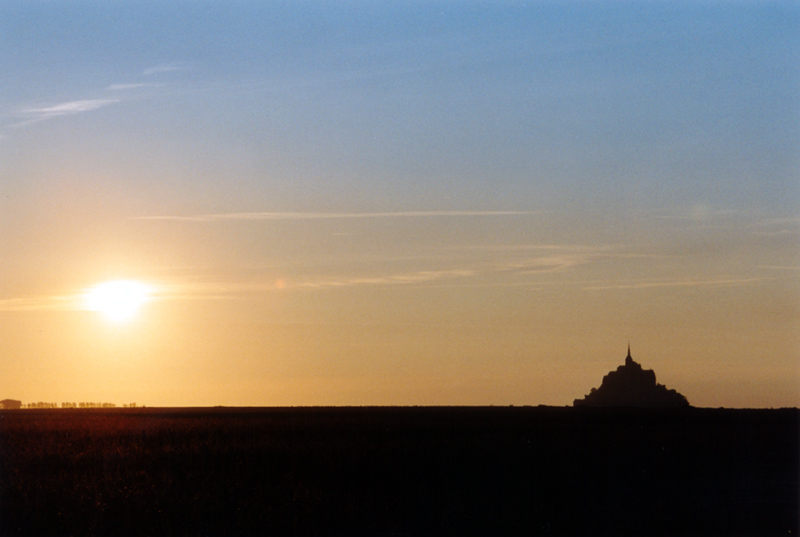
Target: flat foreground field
399,471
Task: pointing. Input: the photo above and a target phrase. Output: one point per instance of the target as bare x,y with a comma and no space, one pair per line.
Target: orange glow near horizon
411,208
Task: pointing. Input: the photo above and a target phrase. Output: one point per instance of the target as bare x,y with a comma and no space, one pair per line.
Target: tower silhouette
630,385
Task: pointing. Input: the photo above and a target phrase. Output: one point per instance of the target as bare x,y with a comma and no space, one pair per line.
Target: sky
400,203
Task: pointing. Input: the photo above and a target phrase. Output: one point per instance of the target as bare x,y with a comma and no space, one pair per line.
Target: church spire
628,358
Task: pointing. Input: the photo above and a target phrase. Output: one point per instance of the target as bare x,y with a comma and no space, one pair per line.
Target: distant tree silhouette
41,404
632,386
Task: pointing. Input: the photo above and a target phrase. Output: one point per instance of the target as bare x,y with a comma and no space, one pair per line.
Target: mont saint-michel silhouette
661,469
632,386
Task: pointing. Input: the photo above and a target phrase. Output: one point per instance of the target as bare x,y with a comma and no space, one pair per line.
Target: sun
117,300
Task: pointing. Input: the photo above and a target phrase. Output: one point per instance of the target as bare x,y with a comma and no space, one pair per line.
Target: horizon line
390,406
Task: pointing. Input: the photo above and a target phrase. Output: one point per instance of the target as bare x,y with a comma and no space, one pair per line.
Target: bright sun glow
117,300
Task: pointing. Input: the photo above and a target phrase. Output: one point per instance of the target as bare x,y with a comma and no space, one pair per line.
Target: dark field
399,471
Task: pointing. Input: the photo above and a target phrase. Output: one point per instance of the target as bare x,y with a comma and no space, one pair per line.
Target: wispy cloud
777,226
231,290
255,216
780,267
166,68
70,107
598,250
465,275
547,263
40,303
698,213
532,247
777,232
76,301
422,276
42,113
791,220
220,290
720,282
558,257
132,86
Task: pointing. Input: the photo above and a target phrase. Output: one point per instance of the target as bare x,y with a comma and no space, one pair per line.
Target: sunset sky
399,203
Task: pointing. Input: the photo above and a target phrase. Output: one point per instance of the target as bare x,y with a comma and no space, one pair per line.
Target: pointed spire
629,358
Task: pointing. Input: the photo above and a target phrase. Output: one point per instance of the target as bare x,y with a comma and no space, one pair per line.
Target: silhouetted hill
632,386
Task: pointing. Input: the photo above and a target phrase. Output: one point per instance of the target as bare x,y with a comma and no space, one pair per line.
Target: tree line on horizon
7,404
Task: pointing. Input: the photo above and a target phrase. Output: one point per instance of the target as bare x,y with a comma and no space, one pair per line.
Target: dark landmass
10,404
632,386
399,471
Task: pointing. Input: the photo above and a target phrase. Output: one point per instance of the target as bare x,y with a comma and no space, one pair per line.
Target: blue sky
643,103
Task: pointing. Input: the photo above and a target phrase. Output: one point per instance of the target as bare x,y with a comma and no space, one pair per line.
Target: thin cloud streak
44,303
166,68
725,282
422,276
780,221
132,86
565,257
780,267
696,213
76,301
606,251
258,216
546,264
69,108
451,277
529,247
770,227
776,233
543,265
231,290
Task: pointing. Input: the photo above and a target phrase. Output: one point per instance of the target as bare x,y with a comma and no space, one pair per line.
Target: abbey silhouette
632,386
